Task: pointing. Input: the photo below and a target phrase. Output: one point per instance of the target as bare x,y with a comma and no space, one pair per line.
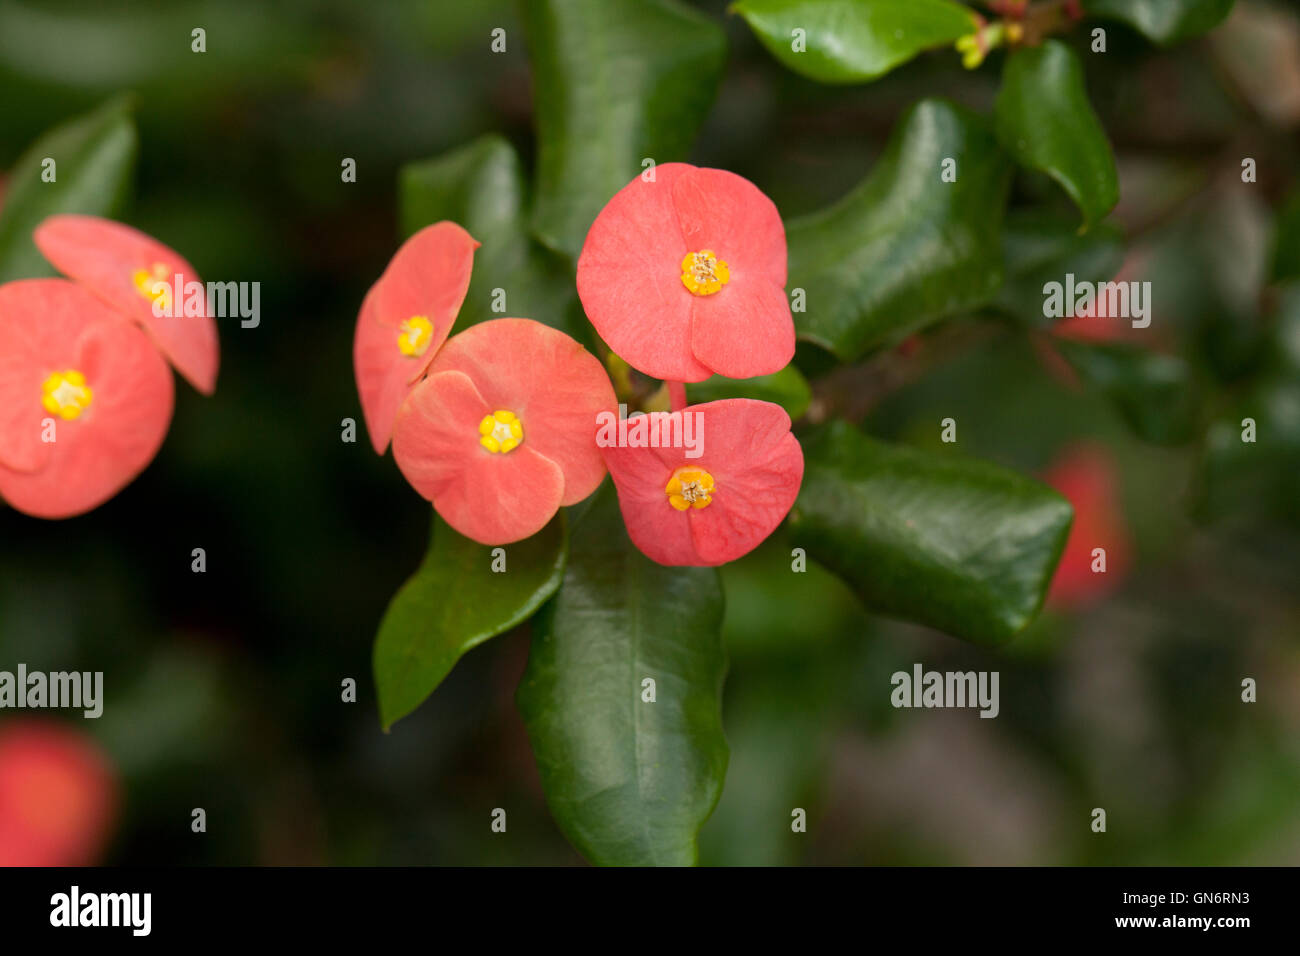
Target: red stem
676,395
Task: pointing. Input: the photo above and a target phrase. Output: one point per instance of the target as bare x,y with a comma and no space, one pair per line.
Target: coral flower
716,507
133,272
1087,476
85,399
58,796
405,318
502,432
685,276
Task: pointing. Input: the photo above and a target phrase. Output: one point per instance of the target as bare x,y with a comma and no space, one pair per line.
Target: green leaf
629,782
904,248
1163,21
853,41
958,544
1046,122
481,186
615,82
1039,248
1155,393
787,388
454,602
94,157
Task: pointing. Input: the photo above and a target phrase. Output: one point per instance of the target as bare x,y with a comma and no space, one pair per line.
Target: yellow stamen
703,273
415,335
66,394
147,280
502,431
689,487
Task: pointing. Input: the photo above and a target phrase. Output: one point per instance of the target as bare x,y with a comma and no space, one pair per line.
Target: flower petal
757,467
746,328
555,386
37,337
629,278
746,514
744,331
98,453
727,213
428,277
383,381
104,256
640,474
492,498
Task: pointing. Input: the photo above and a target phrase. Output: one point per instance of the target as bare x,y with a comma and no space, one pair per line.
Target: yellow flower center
147,280
501,432
689,487
415,335
66,394
703,273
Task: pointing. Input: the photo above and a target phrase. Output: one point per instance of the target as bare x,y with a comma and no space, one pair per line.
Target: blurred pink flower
58,796
123,267
1086,474
85,399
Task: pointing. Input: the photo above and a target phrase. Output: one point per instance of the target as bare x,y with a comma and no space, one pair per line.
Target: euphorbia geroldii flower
131,271
85,398
685,276
502,432
405,318
716,507
1087,476
58,796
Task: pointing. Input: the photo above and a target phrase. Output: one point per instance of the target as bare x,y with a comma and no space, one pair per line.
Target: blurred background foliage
223,689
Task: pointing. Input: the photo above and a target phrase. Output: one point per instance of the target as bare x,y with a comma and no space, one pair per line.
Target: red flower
58,796
1087,476
405,318
85,399
501,433
685,276
716,507
128,270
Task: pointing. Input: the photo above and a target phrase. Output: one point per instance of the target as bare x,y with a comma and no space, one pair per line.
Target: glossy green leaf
94,158
615,82
959,544
1045,120
853,41
454,602
1039,248
482,187
629,782
904,248
787,388
1163,21
1154,392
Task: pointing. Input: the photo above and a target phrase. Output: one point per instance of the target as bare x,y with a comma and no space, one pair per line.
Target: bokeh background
223,689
